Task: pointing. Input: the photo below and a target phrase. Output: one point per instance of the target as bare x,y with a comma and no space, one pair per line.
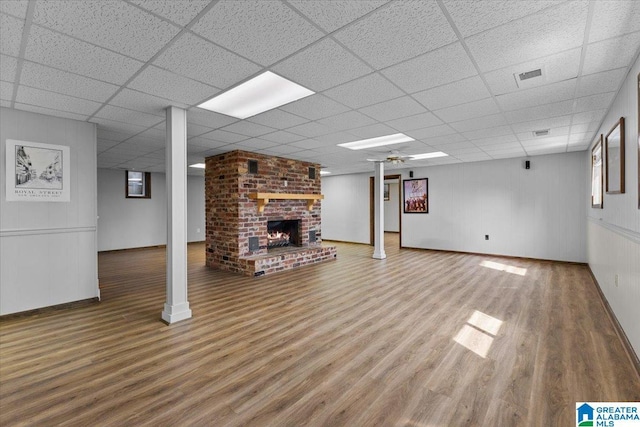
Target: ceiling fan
394,157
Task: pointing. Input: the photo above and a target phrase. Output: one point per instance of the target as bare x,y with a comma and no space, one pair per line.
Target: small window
138,185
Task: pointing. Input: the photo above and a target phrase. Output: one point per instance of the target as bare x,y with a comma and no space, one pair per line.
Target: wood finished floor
421,339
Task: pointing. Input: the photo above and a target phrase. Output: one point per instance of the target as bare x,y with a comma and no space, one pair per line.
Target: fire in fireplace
283,233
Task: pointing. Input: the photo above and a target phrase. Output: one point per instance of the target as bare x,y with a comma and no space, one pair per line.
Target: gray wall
48,249
613,232
537,213
132,223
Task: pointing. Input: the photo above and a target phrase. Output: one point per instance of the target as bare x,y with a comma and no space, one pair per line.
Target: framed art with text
416,195
614,148
37,172
596,174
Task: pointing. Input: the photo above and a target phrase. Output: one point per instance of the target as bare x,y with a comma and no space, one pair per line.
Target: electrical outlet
486,237
616,280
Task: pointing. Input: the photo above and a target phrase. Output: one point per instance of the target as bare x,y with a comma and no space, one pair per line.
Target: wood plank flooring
419,339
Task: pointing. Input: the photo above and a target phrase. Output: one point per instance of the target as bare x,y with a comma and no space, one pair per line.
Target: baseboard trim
51,308
139,248
494,255
622,336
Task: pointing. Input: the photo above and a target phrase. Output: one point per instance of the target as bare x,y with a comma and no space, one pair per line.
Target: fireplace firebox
281,233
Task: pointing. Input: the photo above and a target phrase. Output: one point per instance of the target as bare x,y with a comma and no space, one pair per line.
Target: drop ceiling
443,72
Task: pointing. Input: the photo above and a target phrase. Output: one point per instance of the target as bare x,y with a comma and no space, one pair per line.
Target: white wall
391,208
345,208
48,249
537,213
132,223
614,231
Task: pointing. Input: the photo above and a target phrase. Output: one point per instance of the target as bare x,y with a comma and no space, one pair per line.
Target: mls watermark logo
608,414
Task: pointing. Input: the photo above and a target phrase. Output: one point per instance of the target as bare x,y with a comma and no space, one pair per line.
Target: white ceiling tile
196,130
6,90
486,122
55,101
315,107
158,132
128,116
594,102
282,137
333,14
540,95
431,132
111,135
347,120
483,107
445,65
608,81
249,129
208,118
473,17
8,66
280,150
253,144
455,145
451,94
310,130
394,109
6,104
507,154
489,133
40,76
443,139
460,150
224,136
372,131
548,123
511,147
558,67
322,65
589,116
198,59
473,157
181,12
545,142
209,143
105,144
17,8
584,127
538,151
278,119
561,108
419,121
264,32
398,32
496,140
10,34
577,147
158,82
335,138
134,100
115,25
610,54
614,18
580,138
365,91
534,36
114,126
58,51
313,144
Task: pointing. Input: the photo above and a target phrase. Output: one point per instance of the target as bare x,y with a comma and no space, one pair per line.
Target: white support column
378,203
177,307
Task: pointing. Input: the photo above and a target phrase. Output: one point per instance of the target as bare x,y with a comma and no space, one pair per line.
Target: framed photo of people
596,174
416,195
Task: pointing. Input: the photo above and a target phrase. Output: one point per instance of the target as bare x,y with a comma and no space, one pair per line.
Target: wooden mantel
263,198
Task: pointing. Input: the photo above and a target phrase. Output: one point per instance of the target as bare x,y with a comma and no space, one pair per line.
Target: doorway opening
395,206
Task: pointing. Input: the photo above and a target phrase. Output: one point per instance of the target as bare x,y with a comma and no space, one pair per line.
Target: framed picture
386,192
137,185
37,172
614,147
596,174
416,195
638,140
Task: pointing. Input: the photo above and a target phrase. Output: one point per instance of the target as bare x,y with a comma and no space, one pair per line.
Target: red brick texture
231,217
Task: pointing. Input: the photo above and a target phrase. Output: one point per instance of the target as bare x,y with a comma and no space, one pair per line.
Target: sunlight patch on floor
504,267
478,334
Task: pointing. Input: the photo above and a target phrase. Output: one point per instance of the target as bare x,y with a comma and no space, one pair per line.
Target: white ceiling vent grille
530,78
542,132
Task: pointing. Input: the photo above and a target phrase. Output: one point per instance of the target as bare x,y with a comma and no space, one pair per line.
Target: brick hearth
233,218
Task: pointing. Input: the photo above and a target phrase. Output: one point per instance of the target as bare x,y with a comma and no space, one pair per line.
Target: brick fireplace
244,193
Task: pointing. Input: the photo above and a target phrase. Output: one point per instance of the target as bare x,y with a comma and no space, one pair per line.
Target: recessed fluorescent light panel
428,155
197,165
262,93
324,172
379,141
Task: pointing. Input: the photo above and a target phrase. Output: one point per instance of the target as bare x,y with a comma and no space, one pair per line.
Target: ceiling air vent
543,132
530,74
530,78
